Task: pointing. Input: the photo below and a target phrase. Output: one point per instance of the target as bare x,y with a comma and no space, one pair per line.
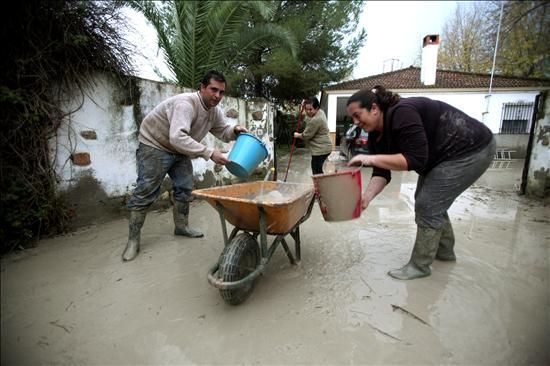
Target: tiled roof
409,78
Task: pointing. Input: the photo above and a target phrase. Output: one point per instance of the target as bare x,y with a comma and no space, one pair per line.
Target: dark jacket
427,132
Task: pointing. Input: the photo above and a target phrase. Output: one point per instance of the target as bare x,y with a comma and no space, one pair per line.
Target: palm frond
197,36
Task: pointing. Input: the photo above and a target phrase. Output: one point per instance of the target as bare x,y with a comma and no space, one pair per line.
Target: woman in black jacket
448,149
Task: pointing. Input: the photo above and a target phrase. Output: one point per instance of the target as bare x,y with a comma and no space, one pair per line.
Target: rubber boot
422,256
137,218
181,221
445,251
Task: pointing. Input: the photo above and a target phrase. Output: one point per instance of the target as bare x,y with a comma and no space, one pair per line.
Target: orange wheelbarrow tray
255,209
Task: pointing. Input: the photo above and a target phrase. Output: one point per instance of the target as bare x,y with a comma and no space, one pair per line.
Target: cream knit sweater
179,123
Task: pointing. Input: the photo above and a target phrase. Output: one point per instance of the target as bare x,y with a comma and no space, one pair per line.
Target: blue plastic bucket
247,153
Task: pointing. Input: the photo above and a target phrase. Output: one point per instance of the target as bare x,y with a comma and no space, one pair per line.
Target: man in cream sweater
169,137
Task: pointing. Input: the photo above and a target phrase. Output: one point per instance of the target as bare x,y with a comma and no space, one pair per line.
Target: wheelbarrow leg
288,252
219,208
226,240
296,236
265,253
263,237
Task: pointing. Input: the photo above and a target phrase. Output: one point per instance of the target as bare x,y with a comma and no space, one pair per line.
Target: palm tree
197,36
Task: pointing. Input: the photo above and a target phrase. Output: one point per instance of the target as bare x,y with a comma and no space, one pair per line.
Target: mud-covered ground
72,301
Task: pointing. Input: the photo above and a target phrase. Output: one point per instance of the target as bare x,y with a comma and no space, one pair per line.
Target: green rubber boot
422,256
181,221
137,218
445,251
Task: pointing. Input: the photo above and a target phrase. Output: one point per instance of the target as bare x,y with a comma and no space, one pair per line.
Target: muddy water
72,301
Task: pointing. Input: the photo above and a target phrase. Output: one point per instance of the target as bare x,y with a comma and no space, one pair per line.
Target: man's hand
359,160
219,158
239,129
297,135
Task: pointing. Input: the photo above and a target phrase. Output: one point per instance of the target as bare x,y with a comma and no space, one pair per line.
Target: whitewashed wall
105,112
472,103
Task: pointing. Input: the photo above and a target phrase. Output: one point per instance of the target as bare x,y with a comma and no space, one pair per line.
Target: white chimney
430,46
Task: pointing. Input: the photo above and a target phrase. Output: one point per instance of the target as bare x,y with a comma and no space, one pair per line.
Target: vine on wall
51,49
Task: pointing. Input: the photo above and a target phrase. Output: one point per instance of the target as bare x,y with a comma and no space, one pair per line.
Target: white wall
472,103
112,154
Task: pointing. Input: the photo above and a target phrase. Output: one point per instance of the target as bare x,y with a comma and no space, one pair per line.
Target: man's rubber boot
181,221
422,256
445,251
137,218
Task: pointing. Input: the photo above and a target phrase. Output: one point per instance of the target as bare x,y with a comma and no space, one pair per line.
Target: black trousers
317,163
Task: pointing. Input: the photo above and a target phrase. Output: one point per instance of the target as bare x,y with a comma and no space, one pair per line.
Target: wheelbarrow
256,210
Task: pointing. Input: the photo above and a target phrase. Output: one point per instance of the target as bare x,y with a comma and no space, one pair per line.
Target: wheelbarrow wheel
239,258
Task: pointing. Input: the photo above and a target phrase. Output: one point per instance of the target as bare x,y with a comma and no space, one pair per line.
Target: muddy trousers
153,166
435,193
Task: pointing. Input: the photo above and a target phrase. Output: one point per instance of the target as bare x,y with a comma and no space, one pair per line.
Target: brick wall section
81,159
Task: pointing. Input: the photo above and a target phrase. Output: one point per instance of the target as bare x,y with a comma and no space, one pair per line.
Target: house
505,104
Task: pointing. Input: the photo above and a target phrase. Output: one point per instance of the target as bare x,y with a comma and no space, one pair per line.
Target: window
516,117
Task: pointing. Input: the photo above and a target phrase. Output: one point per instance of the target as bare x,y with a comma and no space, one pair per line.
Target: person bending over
448,149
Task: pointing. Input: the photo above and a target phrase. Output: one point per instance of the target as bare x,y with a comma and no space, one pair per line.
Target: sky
394,36
143,40
395,30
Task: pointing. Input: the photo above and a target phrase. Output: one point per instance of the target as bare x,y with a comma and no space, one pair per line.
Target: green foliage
50,47
524,48
462,47
328,45
278,50
198,36
469,38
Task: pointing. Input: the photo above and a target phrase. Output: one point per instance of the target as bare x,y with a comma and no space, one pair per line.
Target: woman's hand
360,160
297,135
375,186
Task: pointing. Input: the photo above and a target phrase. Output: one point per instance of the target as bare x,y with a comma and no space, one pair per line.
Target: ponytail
379,95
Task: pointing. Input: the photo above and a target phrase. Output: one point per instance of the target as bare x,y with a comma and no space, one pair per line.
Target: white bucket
339,194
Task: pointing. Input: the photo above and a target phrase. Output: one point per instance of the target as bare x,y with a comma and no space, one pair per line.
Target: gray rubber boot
181,221
137,218
422,256
445,251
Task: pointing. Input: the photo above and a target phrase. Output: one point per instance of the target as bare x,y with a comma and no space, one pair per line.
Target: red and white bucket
339,194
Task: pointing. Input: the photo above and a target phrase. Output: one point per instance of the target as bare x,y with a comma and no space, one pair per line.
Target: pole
294,140
496,48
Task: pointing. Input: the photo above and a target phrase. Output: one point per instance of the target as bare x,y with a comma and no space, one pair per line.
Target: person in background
169,137
448,149
316,134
